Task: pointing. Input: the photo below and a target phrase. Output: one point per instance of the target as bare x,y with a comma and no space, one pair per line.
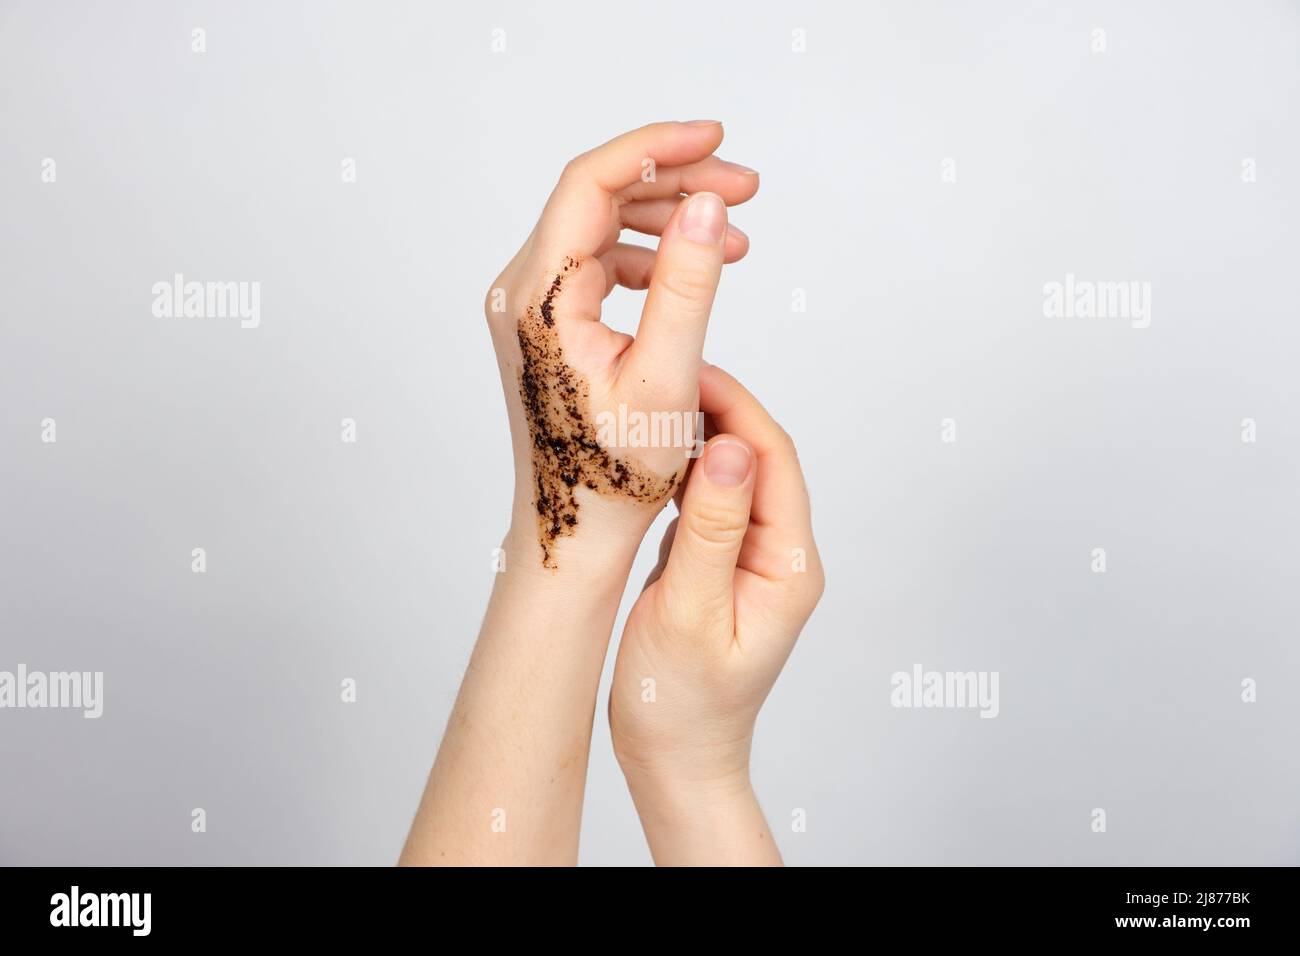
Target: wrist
671,797
697,822
602,542
588,577
676,759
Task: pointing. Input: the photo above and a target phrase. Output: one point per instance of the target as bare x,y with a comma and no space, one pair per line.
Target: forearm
720,824
507,785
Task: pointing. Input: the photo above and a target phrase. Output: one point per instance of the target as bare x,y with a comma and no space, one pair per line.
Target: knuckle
816,585
688,284
716,525
575,169
497,299
806,590
786,442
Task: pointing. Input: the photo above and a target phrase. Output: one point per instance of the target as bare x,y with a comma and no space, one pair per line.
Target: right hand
738,576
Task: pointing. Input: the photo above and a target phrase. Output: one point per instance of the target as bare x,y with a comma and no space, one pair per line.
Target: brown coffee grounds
566,452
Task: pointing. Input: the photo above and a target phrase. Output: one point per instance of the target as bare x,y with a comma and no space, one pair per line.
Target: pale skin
724,608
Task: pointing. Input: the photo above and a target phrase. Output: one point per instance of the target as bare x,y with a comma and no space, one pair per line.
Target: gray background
372,561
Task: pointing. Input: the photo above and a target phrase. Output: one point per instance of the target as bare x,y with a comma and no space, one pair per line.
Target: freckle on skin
565,450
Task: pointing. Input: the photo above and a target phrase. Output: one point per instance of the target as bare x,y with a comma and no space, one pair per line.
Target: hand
507,785
738,576
563,371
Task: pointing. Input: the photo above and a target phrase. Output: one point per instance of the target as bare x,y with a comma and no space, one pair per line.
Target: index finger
621,162
780,494
579,217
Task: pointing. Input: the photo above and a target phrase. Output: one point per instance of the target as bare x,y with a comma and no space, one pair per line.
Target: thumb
701,566
688,264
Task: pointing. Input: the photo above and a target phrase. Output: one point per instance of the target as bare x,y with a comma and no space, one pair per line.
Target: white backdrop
927,169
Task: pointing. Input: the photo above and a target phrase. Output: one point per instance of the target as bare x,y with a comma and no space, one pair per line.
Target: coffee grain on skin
566,453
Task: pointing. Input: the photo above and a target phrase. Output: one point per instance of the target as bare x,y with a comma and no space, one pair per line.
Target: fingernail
703,123
736,167
727,464
736,231
704,219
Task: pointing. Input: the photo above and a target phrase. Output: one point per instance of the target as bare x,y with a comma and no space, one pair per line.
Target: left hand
562,369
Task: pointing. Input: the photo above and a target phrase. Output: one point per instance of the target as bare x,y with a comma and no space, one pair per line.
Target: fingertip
737,244
703,219
749,180
728,461
709,129
712,376
700,137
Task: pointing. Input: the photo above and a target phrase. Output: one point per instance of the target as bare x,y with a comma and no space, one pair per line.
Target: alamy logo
61,689
1085,299
635,429
179,299
955,689
102,909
